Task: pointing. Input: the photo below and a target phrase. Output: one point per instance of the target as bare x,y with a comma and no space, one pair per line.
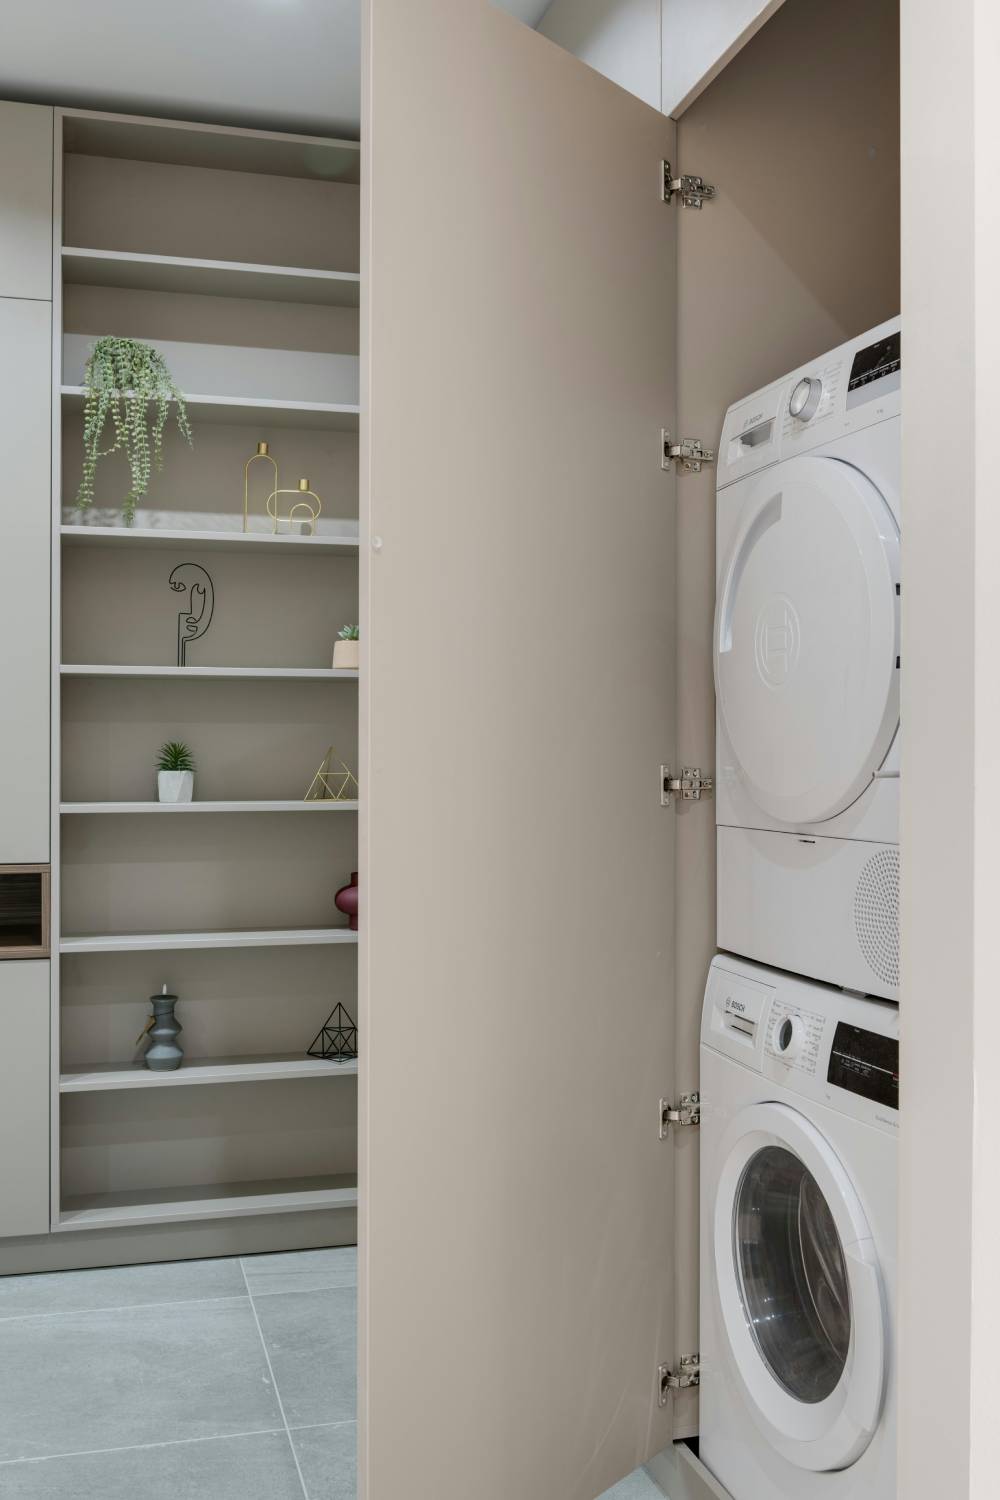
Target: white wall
619,38
665,51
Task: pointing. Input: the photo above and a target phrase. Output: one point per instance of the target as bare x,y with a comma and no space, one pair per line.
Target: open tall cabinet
534,589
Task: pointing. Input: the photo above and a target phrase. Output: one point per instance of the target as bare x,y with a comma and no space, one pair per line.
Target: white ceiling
278,64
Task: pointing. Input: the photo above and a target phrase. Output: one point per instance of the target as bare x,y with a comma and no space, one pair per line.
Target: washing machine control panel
794,1036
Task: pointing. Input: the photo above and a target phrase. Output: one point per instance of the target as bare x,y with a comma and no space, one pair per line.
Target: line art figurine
192,622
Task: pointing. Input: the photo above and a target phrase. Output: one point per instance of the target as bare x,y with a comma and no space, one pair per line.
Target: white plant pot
175,786
347,654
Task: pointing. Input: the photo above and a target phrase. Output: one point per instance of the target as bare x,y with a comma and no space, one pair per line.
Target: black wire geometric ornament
337,1039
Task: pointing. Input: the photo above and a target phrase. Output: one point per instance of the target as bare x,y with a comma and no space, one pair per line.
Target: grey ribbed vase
164,1053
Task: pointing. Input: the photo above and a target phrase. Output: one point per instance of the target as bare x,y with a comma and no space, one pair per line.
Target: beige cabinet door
24,1097
517,702
25,573
26,201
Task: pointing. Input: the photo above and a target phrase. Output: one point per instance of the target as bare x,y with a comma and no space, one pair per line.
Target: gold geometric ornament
333,782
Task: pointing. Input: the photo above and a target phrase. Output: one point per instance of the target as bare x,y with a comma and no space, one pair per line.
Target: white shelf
163,942
208,541
211,278
216,1201
241,412
328,804
223,147
206,1070
321,674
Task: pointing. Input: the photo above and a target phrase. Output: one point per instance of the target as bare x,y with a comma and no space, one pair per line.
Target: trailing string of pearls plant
128,381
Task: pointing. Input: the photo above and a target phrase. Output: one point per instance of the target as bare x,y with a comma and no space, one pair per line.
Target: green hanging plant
124,379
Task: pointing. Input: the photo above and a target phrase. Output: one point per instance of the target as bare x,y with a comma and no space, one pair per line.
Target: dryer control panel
842,392
836,1049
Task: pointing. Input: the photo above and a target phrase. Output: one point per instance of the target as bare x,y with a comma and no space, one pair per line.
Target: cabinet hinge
689,785
687,1112
692,191
689,454
687,1374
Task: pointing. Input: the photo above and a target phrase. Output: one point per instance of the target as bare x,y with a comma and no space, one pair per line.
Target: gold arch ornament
264,452
303,509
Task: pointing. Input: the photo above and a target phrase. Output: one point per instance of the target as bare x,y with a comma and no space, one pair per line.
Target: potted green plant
175,768
346,649
128,382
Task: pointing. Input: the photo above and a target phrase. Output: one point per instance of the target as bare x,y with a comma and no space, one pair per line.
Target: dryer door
800,1289
807,639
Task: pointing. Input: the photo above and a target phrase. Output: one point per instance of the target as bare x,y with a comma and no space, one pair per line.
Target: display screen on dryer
866,1063
875,362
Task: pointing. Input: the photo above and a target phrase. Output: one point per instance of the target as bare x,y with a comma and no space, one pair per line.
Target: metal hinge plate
688,1112
692,191
687,1374
689,454
689,785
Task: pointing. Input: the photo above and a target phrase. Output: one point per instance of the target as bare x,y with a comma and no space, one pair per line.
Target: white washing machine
799,1090
807,669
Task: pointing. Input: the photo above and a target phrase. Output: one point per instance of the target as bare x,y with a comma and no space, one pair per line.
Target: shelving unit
327,805
111,669
206,541
224,1200
179,235
203,1070
209,278
329,416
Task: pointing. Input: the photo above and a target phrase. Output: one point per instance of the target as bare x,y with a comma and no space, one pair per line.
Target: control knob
790,1037
805,398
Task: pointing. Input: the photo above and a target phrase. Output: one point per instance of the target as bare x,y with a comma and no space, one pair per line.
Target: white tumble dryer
799,1144
807,665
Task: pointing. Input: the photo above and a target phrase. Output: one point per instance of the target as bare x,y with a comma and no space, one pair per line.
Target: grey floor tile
328,1458
312,1344
89,1381
301,1270
120,1286
637,1486
244,1468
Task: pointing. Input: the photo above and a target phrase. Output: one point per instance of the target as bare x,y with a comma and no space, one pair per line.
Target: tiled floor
204,1380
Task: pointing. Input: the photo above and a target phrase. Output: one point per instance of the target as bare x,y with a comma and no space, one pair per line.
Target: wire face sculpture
194,620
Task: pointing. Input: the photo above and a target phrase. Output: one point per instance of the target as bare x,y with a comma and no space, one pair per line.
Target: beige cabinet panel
24,1098
25,573
517,702
25,201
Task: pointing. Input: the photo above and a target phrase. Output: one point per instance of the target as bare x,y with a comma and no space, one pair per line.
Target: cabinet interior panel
264,1002
270,610
165,209
139,1140
203,484
250,739
229,873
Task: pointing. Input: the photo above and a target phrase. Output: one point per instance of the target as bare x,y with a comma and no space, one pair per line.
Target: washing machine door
807,639
800,1289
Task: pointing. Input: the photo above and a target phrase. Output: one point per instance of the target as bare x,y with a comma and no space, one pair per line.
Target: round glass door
792,1274
799,1287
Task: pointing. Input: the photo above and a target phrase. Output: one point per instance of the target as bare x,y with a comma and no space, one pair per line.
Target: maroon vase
346,900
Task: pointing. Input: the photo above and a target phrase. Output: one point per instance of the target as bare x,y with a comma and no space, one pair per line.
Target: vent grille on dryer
876,914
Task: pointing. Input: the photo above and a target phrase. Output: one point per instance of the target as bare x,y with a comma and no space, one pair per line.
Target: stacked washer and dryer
800,1049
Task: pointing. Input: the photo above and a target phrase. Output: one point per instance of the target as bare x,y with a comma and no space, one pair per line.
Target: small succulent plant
349,633
175,756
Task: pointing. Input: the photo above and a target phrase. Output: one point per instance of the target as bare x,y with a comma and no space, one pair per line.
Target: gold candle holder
303,504
263,451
